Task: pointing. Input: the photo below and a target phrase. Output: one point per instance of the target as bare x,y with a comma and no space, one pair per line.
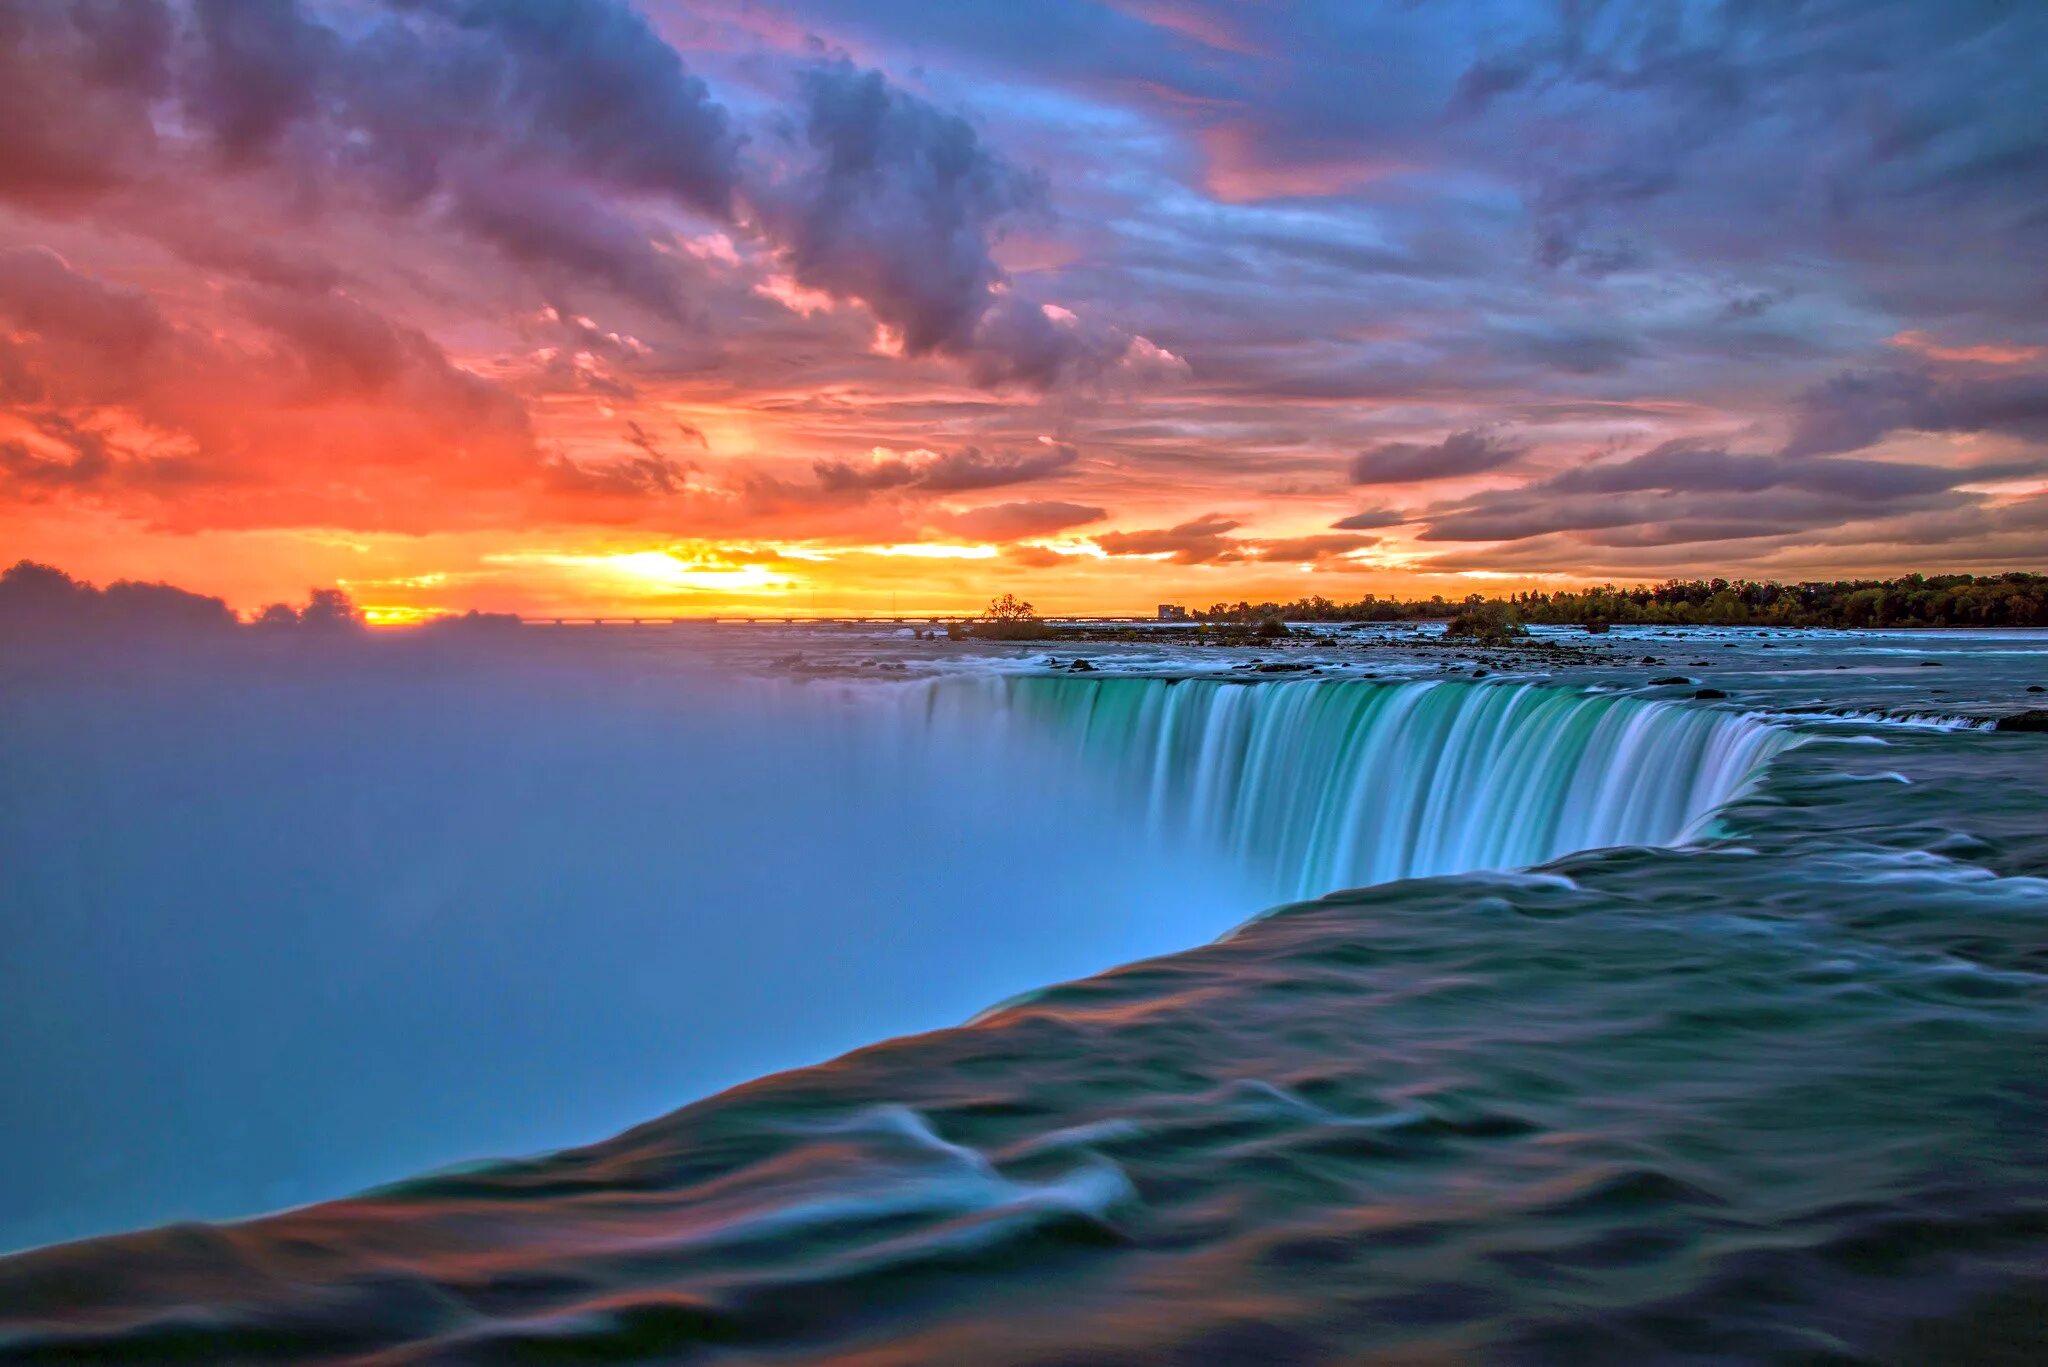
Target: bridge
893,619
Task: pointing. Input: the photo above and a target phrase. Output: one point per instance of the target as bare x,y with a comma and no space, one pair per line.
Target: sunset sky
578,305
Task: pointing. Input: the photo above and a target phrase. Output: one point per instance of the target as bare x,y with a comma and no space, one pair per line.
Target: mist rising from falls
1324,785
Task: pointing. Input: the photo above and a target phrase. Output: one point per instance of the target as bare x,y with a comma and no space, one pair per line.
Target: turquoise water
1667,1029
1347,783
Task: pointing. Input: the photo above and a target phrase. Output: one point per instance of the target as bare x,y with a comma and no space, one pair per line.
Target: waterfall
1320,785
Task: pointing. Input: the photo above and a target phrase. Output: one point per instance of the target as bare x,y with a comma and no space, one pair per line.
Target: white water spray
1317,786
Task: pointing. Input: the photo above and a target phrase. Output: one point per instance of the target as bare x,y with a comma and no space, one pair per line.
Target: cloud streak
1458,455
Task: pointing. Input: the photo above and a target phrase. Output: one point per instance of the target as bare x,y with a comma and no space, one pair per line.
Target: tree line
1915,600
36,597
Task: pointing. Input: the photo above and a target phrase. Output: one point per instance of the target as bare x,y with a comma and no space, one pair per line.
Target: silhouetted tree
42,598
330,610
1010,618
31,591
1008,608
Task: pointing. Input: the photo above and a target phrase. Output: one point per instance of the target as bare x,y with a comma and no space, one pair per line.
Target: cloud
896,207
69,457
288,409
537,118
898,204
1014,521
648,475
1205,541
1689,492
1200,542
1965,534
74,333
971,468
960,471
86,461
1369,519
1042,346
1859,408
258,69
1311,549
76,84
588,91
340,349
558,229
565,136
1462,453
1982,353
1034,557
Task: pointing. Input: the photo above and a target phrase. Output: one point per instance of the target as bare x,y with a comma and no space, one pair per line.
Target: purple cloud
949,472
1403,462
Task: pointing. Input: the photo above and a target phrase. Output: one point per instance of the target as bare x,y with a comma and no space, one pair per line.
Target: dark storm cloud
1403,462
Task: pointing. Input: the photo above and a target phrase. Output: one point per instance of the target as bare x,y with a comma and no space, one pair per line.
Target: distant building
1172,612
